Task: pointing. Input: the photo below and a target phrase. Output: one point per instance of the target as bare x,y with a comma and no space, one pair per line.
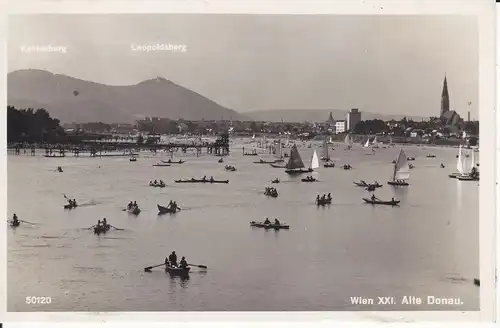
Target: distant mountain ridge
318,115
75,100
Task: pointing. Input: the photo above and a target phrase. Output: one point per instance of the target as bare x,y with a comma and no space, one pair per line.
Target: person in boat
442,165
329,197
276,222
373,197
150,182
98,223
204,178
212,179
183,263
173,259
376,183
323,198
267,221
170,204
162,183
135,204
392,199
166,261
129,206
473,172
169,161
74,202
15,220
156,182
104,223
317,199
174,205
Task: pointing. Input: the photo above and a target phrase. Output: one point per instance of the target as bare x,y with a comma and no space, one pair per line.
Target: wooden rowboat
177,271
381,202
165,210
269,226
201,181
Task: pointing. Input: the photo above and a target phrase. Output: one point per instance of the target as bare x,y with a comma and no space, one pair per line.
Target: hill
74,100
317,115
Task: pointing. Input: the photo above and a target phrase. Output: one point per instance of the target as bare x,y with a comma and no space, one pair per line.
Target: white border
483,9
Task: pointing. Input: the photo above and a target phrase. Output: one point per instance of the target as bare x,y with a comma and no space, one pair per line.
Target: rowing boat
69,206
361,184
15,224
381,202
101,229
269,226
321,202
201,181
309,180
165,210
271,194
250,154
157,185
278,166
171,162
265,162
176,270
161,164
134,210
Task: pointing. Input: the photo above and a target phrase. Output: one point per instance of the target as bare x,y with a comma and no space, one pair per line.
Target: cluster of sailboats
466,166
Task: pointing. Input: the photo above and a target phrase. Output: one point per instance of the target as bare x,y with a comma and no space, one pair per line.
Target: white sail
325,149
401,167
468,163
460,160
367,144
348,140
279,152
374,142
314,161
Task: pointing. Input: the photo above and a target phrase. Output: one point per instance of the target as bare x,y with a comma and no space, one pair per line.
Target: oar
115,227
28,222
148,269
198,265
91,227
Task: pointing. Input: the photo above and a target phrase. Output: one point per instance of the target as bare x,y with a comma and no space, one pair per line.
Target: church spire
445,87
445,99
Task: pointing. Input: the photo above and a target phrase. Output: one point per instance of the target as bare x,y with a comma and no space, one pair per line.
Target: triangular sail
460,160
367,144
314,161
374,142
279,152
348,140
325,149
295,162
401,168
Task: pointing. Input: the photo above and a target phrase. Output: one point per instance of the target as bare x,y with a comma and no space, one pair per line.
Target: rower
135,204
104,223
166,261
276,222
392,199
183,264
162,183
129,206
329,197
212,179
14,219
74,202
373,197
267,221
170,204
98,223
323,198
174,205
173,259
317,198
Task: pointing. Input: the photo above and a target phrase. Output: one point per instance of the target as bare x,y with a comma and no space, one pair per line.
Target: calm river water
429,246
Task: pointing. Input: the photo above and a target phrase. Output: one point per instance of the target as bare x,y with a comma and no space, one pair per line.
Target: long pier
103,149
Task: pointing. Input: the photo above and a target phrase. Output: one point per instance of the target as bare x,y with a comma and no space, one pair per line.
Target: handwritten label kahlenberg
43,48
408,300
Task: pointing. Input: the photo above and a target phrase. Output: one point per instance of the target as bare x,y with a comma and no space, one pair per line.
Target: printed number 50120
38,300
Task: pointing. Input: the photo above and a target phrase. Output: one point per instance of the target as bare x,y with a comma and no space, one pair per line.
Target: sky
380,64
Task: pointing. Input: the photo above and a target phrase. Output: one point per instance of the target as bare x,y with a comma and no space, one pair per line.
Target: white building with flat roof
340,126
353,118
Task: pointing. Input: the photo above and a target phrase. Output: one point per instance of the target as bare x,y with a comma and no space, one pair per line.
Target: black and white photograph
243,162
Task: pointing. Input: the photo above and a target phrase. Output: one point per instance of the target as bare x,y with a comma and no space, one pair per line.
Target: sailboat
295,164
367,144
470,170
348,141
279,152
325,152
401,171
375,143
460,164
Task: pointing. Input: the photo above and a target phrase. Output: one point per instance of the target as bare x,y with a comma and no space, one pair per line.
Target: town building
353,118
340,126
447,116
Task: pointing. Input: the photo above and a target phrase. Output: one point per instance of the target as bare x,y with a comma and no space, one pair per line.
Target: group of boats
466,166
203,180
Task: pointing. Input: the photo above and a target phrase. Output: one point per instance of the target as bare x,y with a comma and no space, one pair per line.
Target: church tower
445,99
